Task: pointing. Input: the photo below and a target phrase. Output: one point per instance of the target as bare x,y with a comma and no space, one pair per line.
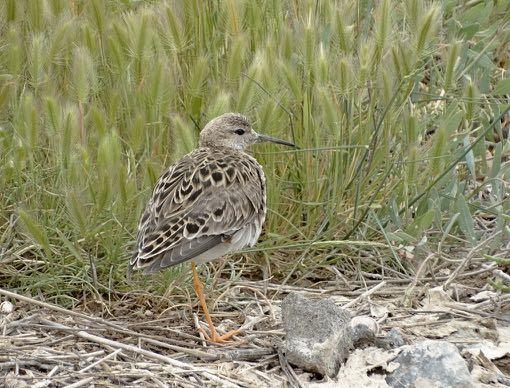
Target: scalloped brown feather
199,203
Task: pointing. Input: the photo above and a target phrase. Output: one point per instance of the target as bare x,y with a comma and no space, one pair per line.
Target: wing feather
185,251
197,204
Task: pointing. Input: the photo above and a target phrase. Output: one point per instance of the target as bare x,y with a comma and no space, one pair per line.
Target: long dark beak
262,138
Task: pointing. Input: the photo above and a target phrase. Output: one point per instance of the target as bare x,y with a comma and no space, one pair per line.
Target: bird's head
233,130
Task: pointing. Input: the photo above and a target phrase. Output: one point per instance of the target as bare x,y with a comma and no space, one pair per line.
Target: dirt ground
43,345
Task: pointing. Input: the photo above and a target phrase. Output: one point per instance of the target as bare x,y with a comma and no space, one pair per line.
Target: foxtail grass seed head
451,63
427,29
83,74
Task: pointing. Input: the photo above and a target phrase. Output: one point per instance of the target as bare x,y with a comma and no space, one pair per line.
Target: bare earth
43,345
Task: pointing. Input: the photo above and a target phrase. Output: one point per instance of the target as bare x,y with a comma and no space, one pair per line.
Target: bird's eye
239,131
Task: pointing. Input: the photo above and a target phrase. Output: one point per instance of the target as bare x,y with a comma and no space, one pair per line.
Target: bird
208,204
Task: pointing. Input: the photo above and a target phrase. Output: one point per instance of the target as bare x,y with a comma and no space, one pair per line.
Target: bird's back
211,202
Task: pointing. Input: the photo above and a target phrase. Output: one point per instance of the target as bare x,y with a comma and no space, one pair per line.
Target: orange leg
199,289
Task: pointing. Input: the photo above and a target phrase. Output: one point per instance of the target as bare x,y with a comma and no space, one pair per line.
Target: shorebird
209,203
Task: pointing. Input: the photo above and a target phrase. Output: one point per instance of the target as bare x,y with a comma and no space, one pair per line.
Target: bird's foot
219,339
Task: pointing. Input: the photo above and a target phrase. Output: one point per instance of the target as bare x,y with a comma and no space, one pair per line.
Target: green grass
385,98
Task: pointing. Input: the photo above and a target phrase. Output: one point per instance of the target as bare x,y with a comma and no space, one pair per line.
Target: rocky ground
449,331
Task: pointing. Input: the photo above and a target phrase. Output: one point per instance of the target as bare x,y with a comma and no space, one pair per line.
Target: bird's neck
222,148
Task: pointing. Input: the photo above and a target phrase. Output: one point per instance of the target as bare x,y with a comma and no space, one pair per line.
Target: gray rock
430,364
394,339
318,334
364,331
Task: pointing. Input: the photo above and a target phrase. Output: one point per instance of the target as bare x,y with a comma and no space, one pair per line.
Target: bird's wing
198,203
